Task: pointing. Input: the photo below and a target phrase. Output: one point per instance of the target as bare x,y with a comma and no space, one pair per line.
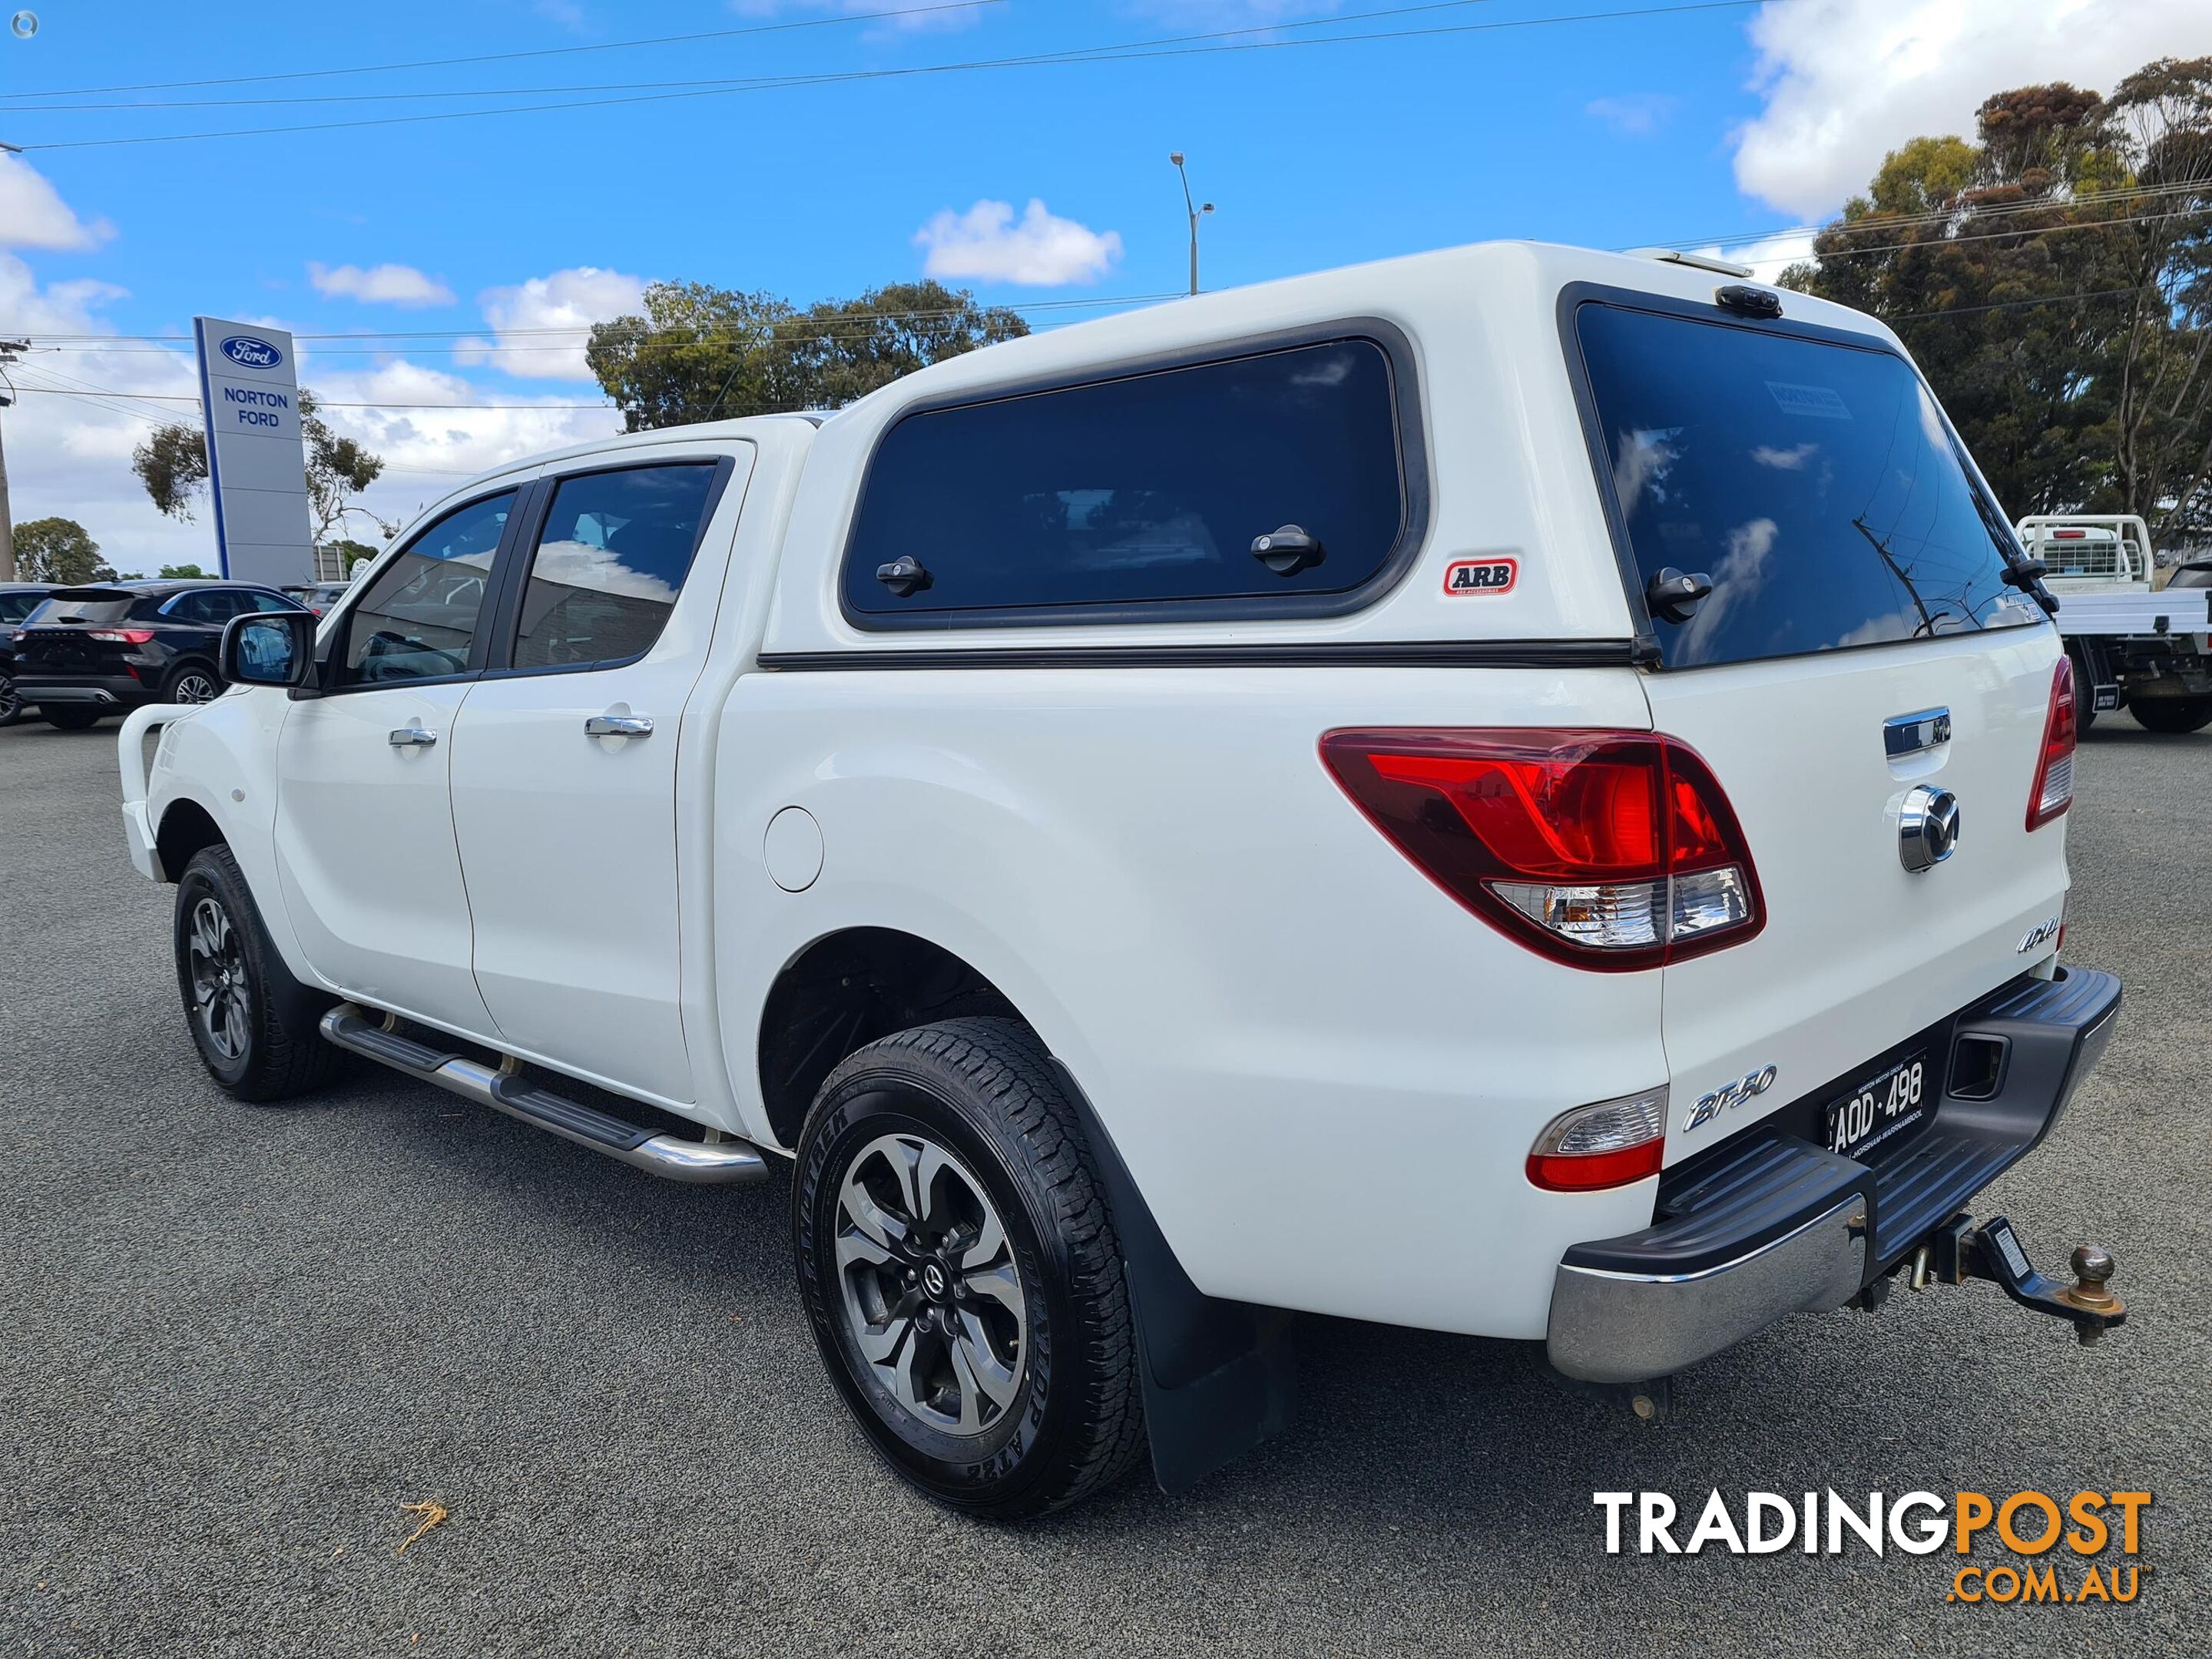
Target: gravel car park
240,1340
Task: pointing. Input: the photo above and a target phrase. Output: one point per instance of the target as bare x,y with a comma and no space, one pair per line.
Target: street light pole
8,350
1196,212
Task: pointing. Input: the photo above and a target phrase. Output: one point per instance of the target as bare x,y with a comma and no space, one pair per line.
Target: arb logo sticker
1480,575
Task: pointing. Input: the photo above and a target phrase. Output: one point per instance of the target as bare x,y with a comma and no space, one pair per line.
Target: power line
1130,51
509,57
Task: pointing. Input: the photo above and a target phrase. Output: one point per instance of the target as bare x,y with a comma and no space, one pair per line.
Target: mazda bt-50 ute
1516,791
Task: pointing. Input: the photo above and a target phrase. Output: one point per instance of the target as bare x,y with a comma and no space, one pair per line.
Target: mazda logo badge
1927,827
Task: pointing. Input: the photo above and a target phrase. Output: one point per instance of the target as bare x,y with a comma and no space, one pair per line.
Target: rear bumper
112,691
1772,1224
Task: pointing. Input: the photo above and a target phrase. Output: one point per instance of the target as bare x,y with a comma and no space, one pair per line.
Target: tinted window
609,564
14,607
1152,488
417,620
1817,485
210,606
273,602
84,610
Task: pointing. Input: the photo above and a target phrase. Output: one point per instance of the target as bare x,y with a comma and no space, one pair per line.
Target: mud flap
1218,1375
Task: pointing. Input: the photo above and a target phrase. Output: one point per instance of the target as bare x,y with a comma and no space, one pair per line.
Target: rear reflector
2054,770
1605,849
1608,1144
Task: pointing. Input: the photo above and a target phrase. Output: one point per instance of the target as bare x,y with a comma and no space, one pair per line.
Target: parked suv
1517,792
87,652
17,601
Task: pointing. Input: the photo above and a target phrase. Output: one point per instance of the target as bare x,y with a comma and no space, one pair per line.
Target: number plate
1894,1103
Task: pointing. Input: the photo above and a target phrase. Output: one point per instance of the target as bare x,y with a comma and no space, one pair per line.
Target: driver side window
418,619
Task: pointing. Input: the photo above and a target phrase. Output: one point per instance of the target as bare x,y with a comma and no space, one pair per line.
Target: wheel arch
185,828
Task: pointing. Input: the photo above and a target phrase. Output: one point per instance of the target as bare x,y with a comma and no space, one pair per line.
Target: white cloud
988,244
1846,82
1637,115
1229,14
569,300
384,285
921,14
33,215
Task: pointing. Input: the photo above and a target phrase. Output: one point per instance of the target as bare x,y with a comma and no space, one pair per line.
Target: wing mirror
270,648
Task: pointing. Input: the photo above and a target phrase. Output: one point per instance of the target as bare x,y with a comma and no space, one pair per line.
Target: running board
671,1157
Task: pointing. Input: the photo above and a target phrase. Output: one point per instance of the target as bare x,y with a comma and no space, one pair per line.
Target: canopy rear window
1816,484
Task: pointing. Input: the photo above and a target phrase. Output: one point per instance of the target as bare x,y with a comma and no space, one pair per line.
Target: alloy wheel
932,1298
194,687
217,967
10,705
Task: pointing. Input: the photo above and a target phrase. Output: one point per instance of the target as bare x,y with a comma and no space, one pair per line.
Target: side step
672,1157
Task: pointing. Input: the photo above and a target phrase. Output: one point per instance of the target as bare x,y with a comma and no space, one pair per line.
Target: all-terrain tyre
2171,713
252,1022
961,1272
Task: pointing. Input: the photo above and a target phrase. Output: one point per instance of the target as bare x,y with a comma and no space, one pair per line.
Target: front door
371,877
564,770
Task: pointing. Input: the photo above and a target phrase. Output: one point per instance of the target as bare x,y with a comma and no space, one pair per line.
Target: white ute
2135,646
1515,791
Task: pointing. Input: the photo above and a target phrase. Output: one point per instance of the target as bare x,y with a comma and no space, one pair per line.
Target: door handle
411,737
618,726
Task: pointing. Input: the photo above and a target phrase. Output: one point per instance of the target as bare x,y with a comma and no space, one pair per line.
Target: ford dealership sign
249,352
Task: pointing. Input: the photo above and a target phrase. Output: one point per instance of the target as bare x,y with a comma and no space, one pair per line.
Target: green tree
173,465
59,550
702,353
180,572
2052,279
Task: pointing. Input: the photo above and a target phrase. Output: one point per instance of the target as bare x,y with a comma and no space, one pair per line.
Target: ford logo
251,353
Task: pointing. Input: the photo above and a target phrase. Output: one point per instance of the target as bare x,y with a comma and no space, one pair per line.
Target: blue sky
1686,125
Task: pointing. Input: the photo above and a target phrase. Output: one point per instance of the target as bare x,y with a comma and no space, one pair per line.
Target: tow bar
1962,1248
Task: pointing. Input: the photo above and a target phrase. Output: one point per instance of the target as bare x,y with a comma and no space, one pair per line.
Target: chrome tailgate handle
618,726
411,737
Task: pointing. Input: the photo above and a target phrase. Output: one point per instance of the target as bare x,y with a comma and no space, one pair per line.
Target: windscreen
1815,484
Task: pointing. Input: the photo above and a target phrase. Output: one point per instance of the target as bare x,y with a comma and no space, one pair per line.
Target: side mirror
270,648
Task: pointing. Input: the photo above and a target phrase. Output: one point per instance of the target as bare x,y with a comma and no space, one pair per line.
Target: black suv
17,601
87,652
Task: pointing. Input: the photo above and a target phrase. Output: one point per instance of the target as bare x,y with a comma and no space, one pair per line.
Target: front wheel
192,683
253,1024
2171,713
961,1273
11,705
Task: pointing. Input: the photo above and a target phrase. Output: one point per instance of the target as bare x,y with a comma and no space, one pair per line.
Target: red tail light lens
121,635
1605,849
2054,772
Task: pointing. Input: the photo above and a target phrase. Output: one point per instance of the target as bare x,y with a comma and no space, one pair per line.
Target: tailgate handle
1673,594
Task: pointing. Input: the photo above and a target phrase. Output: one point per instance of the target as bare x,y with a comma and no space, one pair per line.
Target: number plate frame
1887,1105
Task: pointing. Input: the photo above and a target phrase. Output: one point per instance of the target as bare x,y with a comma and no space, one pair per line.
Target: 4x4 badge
1749,1086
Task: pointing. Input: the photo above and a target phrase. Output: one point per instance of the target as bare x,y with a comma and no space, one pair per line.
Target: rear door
1859,643
564,766
80,632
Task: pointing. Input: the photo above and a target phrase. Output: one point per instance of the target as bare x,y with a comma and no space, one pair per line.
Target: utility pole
1196,213
8,350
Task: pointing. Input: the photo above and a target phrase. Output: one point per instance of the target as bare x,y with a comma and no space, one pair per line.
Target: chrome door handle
411,737
618,726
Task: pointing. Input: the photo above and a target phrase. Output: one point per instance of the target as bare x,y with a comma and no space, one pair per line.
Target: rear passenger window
419,619
1138,491
609,563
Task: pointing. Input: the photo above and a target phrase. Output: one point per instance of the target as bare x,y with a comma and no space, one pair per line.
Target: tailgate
1859,952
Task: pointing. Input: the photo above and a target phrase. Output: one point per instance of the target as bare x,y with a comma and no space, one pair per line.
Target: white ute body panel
1324,1073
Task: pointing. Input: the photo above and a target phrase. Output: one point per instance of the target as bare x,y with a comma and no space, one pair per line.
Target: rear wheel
2171,713
69,718
193,683
11,706
960,1272
253,1024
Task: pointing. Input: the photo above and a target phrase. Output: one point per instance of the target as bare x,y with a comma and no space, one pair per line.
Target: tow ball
1962,1248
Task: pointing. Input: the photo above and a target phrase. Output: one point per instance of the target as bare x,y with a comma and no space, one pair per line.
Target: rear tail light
1608,1145
2054,770
1604,850
122,636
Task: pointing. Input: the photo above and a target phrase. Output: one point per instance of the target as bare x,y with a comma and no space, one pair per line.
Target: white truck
1426,793
2135,645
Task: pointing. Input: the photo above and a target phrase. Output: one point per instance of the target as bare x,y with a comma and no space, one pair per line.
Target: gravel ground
234,1341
